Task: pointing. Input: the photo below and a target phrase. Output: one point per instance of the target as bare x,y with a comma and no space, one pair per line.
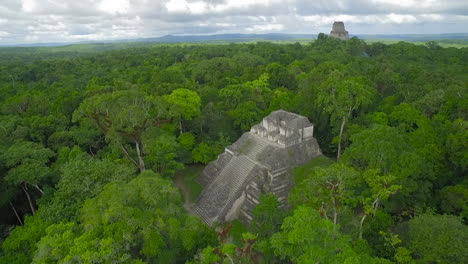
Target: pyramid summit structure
338,31
259,161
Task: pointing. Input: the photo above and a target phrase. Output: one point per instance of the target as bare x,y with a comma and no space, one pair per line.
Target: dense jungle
93,142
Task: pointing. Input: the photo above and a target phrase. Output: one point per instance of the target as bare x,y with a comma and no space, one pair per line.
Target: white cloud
114,6
266,27
28,5
399,19
71,20
209,7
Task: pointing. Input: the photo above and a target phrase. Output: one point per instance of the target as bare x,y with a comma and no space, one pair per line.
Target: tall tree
379,189
123,116
327,190
183,104
308,238
28,167
340,96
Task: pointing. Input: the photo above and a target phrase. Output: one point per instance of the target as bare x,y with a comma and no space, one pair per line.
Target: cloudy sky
33,21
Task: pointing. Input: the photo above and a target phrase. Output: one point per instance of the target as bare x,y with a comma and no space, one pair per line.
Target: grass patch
300,173
186,179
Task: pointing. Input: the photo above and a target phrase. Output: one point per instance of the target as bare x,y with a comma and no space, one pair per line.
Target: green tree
82,177
379,147
308,238
380,188
246,114
122,117
186,140
160,149
28,166
267,219
327,190
183,104
454,200
340,96
202,153
437,239
20,245
267,216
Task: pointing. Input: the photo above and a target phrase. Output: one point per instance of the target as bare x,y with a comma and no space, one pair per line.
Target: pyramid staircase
218,197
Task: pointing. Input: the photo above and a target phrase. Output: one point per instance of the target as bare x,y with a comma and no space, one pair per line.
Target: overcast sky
33,21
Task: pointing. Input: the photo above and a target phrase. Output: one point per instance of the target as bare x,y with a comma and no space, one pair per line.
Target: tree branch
39,189
128,155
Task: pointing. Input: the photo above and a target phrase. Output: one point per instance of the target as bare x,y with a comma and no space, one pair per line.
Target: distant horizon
157,38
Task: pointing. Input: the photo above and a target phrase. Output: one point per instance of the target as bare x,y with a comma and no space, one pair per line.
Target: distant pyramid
338,31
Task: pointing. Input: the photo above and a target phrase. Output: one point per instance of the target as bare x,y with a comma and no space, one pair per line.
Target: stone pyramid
259,161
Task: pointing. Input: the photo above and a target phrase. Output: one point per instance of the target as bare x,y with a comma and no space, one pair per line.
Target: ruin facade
338,31
259,161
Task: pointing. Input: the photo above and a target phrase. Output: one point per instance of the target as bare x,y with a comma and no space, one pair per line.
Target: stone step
223,191
257,146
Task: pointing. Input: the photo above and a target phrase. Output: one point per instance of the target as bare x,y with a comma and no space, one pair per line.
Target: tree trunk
29,200
323,211
335,213
338,155
375,205
16,213
128,155
360,225
141,161
180,125
13,80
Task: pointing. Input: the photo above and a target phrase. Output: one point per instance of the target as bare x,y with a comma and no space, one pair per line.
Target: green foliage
208,256
246,114
454,200
403,256
187,181
203,153
82,178
379,147
28,162
267,219
303,172
397,112
381,187
340,97
186,140
437,238
457,143
144,214
308,238
20,245
160,152
282,99
328,189
183,103
267,216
